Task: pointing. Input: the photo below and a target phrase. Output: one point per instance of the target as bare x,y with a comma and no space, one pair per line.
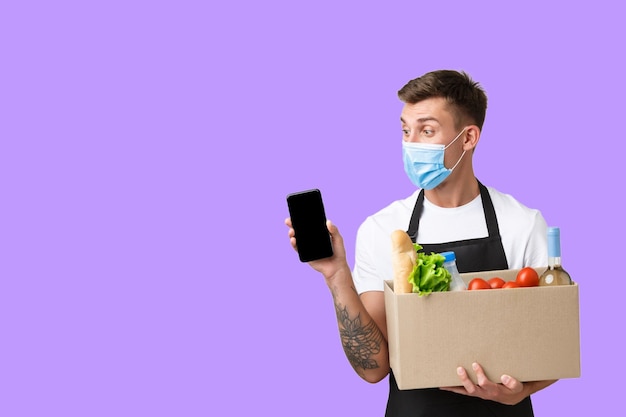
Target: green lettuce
429,274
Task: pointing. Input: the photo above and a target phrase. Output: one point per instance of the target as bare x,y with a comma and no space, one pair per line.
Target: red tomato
496,282
527,277
511,284
478,284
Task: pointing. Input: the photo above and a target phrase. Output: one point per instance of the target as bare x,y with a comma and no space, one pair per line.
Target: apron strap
415,217
490,212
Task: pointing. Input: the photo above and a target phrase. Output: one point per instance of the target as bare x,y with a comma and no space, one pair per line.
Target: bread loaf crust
404,258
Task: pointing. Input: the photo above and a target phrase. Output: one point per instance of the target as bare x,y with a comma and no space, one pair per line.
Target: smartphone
308,220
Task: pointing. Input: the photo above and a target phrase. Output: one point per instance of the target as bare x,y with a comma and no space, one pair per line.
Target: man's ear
471,137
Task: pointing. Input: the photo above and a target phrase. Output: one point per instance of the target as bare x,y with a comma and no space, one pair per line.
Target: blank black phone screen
308,220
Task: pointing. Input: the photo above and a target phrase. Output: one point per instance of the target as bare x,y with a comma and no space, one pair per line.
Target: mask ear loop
463,154
457,162
453,140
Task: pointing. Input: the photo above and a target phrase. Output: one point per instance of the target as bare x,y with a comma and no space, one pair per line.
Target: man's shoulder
507,203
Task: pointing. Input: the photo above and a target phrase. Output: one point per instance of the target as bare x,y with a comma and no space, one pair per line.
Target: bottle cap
449,256
554,242
554,231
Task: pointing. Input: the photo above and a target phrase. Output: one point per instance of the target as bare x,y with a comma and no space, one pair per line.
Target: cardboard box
528,333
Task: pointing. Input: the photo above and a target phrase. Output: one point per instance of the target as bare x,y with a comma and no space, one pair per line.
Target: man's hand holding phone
326,266
316,239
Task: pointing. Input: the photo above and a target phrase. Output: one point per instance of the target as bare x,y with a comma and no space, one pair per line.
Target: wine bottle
554,274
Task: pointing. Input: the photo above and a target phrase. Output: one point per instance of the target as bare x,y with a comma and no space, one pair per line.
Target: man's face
430,121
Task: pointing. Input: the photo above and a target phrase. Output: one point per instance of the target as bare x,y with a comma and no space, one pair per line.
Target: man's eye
405,132
428,132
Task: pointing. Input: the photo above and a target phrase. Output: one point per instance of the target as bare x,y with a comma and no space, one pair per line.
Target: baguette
403,260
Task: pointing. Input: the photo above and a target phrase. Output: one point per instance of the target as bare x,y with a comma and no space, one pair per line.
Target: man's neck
454,194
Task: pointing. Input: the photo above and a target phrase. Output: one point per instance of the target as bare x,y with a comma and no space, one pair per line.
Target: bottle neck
554,261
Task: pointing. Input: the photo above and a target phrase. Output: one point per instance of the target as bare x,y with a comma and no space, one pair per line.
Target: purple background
146,149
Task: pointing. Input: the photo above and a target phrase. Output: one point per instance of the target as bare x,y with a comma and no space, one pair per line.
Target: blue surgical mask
423,163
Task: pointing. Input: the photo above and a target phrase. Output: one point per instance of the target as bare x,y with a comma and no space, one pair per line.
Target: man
441,119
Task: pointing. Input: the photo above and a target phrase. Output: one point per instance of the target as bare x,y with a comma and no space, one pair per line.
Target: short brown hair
466,97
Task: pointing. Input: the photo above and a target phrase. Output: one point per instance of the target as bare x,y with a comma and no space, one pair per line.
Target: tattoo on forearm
360,342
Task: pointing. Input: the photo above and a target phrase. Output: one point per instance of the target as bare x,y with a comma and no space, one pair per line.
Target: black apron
483,254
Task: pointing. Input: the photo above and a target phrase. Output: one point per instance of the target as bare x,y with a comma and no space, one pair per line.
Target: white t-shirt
523,232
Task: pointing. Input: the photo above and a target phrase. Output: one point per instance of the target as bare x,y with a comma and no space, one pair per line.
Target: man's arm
362,327
361,320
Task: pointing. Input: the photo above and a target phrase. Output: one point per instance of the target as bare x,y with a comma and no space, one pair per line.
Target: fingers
291,233
511,383
479,389
332,229
481,378
507,392
488,388
467,383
